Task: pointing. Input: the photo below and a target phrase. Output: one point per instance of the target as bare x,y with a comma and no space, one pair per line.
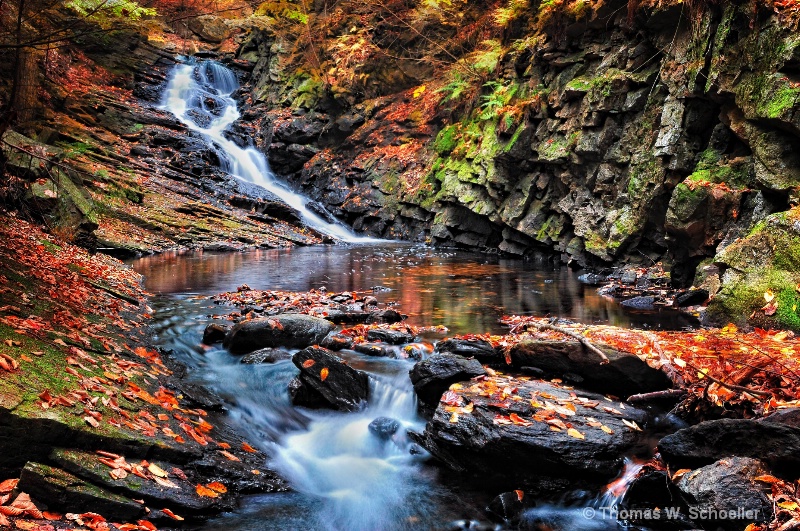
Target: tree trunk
26,85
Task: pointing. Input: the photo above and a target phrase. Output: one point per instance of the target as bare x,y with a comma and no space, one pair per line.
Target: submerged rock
726,493
285,330
433,376
383,427
775,444
497,438
333,383
625,374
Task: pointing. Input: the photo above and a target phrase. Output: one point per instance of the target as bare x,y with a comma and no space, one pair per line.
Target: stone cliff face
607,138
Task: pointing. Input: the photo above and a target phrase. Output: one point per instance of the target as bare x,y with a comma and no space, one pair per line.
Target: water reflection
466,292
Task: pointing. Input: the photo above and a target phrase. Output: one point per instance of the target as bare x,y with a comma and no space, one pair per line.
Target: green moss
788,305
446,140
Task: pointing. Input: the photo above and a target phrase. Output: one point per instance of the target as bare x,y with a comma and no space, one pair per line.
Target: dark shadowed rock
775,444
371,349
266,355
383,427
393,337
62,491
285,330
336,342
214,333
729,487
479,349
593,279
385,316
624,375
344,388
507,507
347,317
650,491
788,417
522,450
434,376
304,395
691,297
640,303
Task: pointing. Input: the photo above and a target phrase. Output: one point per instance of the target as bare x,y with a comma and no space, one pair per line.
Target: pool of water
343,477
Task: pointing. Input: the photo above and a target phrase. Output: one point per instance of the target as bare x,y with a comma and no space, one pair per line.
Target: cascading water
200,96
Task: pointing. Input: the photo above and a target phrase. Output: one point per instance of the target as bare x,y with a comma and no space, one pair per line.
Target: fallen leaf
247,448
91,421
165,482
631,424
323,374
8,485
788,505
606,429
205,492
171,514
308,363
520,494
572,432
766,478
229,455
216,486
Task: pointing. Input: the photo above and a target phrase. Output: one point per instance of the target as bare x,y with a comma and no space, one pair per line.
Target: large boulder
291,330
433,376
479,349
625,374
727,494
775,444
520,431
331,381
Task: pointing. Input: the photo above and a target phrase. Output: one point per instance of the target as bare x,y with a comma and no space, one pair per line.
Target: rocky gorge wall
609,136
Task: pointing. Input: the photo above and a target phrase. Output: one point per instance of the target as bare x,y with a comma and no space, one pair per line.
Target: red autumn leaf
52,516
91,421
8,485
147,525
520,494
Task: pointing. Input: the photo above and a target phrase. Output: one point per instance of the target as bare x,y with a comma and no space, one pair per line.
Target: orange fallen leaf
8,485
216,486
147,525
205,492
308,363
157,470
171,514
788,505
766,478
229,455
323,374
52,516
520,494
572,432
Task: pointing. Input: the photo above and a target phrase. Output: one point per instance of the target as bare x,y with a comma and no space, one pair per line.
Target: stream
343,477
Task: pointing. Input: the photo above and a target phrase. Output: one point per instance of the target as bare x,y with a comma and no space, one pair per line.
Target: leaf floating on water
308,363
572,432
323,374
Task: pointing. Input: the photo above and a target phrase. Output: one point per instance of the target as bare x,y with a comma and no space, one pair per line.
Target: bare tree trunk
26,85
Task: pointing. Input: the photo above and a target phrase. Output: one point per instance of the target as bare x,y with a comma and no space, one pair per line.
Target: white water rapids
200,96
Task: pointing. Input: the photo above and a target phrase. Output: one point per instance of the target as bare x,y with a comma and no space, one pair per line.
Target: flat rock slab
728,488
776,445
340,386
625,374
393,337
181,497
61,491
285,330
479,349
503,427
433,376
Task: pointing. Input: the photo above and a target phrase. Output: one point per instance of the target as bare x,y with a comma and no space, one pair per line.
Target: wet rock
346,317
393,337
371,349
266,355
305,395
62,491
340,386
625,374
415,351
728,489
640,303
628,277
775,444
691,297
479,349
199,396
507,507
388,316
434,376
336,342
221,247
285,330
214,333
650,491
521,453
788,417
182,497
593,279
383,427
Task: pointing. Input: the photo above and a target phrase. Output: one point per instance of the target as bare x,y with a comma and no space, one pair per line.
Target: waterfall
200,96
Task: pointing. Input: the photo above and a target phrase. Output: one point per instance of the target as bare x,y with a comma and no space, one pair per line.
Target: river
343,477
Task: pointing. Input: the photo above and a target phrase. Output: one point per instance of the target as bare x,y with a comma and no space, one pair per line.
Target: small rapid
201,96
